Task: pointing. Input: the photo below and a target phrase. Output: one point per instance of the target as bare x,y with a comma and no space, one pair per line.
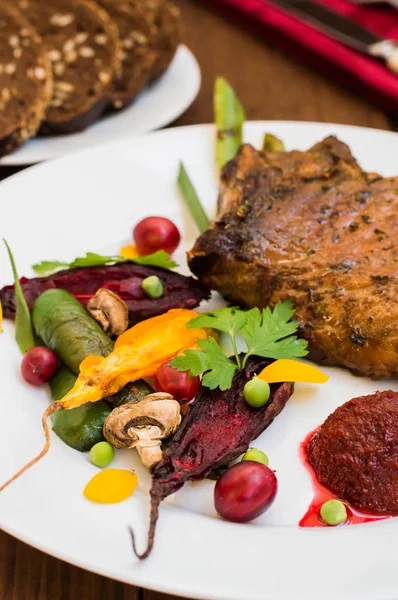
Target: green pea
101,454
333,512
153,287
256,392
256,455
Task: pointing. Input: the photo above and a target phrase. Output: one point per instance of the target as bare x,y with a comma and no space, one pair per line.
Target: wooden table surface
271,86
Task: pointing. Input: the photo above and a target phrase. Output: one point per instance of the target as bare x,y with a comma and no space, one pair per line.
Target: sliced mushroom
110,311
143,425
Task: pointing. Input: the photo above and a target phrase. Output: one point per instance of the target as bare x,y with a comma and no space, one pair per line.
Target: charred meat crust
123,279
313,227
355,452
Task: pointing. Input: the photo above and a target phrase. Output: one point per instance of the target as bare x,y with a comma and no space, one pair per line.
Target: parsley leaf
269,333
194,361
227,320
210,359
157,259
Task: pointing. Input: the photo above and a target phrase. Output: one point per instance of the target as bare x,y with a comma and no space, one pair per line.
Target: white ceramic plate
156,106
90,201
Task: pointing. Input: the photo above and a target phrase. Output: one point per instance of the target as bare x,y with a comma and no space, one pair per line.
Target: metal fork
392,2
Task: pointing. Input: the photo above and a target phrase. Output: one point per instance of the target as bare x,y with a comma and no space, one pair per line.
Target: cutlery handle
392,61
388,50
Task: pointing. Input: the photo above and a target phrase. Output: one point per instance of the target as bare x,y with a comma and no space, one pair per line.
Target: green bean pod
229,117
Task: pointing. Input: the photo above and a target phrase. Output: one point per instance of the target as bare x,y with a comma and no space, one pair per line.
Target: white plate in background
156,106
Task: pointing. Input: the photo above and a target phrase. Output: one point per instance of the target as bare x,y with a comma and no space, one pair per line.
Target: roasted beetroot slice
124,279
218,428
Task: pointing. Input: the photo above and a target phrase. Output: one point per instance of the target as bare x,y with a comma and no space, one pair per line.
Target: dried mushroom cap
143,425
110,311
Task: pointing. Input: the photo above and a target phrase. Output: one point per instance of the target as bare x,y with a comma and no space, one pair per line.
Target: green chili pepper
229,117
81,427
130,393
65,327
23,324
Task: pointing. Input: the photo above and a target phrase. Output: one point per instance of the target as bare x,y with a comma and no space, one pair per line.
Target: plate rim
16,158
168,588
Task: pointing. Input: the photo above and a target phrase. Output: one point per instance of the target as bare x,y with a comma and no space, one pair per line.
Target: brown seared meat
313,227
355,452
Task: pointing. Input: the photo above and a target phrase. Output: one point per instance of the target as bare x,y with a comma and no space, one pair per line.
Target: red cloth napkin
364,74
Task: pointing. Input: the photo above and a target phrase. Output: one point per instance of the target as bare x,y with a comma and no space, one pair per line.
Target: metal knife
342,29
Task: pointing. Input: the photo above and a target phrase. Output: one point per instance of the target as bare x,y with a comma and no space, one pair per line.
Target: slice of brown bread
138,57
168,35
25,80
84,48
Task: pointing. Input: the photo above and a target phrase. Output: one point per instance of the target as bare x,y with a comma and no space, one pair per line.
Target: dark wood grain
271,86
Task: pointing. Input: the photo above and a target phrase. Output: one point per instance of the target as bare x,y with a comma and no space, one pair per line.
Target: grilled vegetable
64,326
81,427
139,352
217,429
124,279
229,117
67,329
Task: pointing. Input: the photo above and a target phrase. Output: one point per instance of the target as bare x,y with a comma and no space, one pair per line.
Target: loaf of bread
138,57
25,80
84,48
167,35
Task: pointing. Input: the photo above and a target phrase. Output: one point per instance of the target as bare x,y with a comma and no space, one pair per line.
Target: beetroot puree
322,494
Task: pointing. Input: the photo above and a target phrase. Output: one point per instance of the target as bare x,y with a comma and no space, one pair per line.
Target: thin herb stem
235,349
245,360
191,200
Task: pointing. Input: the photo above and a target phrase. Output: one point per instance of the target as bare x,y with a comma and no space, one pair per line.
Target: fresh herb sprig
23,324
192,200
267,333
157,259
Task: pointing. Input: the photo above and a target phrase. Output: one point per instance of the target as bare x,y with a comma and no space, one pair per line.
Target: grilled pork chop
313,227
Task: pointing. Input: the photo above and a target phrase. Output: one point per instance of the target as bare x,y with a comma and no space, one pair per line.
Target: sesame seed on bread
137,56
84,48
25,80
